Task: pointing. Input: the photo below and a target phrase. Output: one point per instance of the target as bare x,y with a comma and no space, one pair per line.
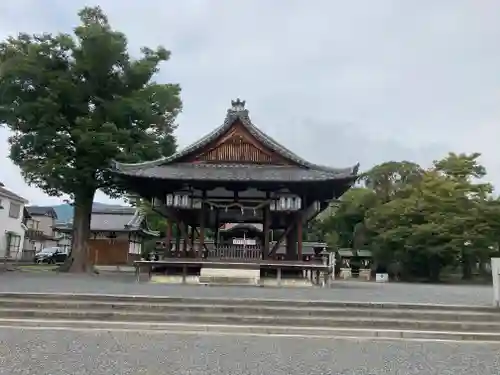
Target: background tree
440,219
419,221
75,104
421,229
348,218
473,197
388,178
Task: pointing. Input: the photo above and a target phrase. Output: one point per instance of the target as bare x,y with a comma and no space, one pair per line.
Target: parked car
51,255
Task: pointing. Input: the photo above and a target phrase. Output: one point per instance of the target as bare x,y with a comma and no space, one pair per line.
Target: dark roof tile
237,172
42,211
170,168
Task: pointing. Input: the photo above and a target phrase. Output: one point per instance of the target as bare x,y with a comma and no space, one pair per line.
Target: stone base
365,274
345,273
229,276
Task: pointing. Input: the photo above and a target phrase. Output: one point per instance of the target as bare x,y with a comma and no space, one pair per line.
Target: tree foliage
423,220
75,103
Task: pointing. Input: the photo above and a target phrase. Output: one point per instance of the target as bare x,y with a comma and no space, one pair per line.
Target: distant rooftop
42,211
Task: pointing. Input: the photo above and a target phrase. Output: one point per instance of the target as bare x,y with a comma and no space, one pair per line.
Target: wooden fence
235,252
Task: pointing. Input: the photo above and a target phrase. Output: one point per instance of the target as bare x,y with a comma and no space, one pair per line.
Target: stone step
241,302
255,309
187,328
256,320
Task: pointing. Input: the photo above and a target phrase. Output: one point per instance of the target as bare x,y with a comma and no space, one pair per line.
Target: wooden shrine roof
235,151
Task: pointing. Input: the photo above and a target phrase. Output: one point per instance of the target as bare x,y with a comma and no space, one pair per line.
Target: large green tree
443,218
421,230
474,200
75,103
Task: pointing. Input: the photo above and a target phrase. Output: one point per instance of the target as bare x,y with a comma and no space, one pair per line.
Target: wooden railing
235,252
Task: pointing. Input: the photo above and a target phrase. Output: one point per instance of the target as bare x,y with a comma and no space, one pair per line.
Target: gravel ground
101,353
341,290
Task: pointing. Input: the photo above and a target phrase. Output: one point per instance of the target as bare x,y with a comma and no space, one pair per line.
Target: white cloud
336,81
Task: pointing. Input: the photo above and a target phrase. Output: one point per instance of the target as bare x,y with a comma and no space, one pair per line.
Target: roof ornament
237,105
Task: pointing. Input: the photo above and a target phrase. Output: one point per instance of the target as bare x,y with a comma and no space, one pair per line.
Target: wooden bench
322,272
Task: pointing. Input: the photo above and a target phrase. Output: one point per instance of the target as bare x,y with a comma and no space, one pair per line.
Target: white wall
63,240
9,224
45,224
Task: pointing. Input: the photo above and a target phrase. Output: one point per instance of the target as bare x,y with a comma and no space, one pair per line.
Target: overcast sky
336,81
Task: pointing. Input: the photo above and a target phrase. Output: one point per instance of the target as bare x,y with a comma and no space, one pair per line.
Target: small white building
12,226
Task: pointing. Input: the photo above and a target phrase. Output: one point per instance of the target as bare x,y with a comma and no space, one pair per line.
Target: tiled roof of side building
171,167
42,211
113,219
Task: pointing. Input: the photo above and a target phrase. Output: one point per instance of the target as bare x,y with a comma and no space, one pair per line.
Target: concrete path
340,291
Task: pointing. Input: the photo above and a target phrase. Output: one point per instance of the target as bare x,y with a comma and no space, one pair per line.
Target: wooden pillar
183,227
265,230
192,236
168,239
177,239
291,239
299,235
202,228
217,227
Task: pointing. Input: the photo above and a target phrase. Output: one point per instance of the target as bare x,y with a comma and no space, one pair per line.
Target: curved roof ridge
135,220
185,151
237,112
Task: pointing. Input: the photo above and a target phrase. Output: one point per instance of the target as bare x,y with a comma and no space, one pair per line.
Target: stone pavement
85,352
340,291
101,353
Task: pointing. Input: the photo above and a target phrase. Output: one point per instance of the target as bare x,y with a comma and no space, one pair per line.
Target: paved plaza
340,290
102,353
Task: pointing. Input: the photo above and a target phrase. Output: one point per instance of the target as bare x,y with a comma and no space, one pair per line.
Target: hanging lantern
298,203
170,200
282,203
272,205
177,201
184,201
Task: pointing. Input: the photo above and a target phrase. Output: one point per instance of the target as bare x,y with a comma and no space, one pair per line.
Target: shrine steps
250,316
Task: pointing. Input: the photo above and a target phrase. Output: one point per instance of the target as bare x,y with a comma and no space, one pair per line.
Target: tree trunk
78,260
434,268
467,262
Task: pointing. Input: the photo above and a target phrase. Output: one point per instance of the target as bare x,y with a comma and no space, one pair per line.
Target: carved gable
238,146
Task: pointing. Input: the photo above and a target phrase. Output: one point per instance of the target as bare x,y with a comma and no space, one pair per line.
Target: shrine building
236,174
